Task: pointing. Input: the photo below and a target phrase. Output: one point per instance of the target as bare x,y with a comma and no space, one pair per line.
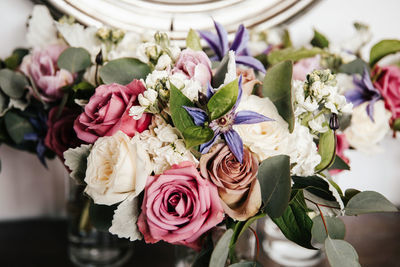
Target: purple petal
366,79
199,116
235,144
31,137
370,108
214,43
240,41
251,62
204,148
250,117
223,38
239,97
269,48
210,91
355,96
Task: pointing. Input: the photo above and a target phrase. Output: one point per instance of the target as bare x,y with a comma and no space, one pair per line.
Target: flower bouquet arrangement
174,144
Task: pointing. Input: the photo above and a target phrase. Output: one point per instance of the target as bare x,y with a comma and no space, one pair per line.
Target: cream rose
117,168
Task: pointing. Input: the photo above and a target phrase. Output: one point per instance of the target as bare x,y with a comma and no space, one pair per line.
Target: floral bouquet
176,144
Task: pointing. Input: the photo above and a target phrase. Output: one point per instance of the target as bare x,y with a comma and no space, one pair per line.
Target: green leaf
82,86
246,264
221,250
369,202
293,54
17,126
223,100
101,216
349,194
277,87
4,103
13,61
356,66
219,76
327,150
336,228
315,185
287,41
242,226
74,59
197,135
319,40
76,160
340,253
123,71
396,124
274,178
202,258
179,115
339,164
13,84
382,49
193,40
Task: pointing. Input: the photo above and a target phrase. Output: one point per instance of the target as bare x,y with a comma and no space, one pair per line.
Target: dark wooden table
42,243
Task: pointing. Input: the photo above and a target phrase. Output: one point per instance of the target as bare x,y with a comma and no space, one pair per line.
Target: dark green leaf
314,185
179,115
4,103
349,194
274,178
197,135
340,253
382,49
223,100
13,61
242,226
246,264
101,216
17,126
83,86
202,258
74,59
193,40
356,66
123,71
293,54
396,124
221,250
319,40
327,150
12,83
336,228
339,164
277,87
369,202
219,76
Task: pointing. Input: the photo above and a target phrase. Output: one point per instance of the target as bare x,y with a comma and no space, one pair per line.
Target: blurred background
28,190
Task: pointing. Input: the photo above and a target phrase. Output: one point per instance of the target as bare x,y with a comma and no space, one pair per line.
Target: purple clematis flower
223,126
219,43
40,126
364,91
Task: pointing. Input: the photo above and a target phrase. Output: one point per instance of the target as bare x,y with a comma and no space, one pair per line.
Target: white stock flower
316,124
166,134
153,78
126,47
363,134
148,97
163,62
41,30
136,112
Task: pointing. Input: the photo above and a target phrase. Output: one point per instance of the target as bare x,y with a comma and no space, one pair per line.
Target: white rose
363,134
117,168
265,139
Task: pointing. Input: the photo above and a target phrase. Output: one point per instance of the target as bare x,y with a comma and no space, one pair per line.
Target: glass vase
88,247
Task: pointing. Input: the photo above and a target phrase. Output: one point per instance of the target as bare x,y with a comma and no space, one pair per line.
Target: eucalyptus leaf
335,226
13,84
369,202
221,250
274,177
315,185
123,71
293,54
4,103
277,87
197,135
339,164
356,66
219,75
74,59
13,61
246,264
17,126
242,226
223,100
101,216
179,115
327,150
340,253
202,258
193,40
76,160
319,40
382,49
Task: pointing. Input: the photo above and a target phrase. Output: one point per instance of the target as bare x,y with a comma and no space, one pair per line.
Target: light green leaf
17,126
287,41
340,253
336,228
197,135
74,59
339,164
221,250
356,66
219,75
293,54
319,40
223,100
246,264
382,49
123,71
369,202
101,216
242,226
76,160
13,84
13,61
327,150
193,40
179,115
277,87
274,177
396,124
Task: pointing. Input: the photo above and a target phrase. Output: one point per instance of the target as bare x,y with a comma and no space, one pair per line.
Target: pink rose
42,67
194,64
108,112
179,206
341,145
305,66
389,86
60,133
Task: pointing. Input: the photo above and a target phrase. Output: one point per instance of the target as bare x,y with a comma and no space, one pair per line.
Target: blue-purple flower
219,43
40,127
223,126
364,91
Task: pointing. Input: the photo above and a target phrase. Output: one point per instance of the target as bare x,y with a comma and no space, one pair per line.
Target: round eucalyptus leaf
123,71
12,83
74,59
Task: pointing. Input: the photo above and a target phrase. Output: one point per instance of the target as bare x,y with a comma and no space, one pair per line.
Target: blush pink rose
179,206
42,67
341,146
389,86
305,66
108,112
195,65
